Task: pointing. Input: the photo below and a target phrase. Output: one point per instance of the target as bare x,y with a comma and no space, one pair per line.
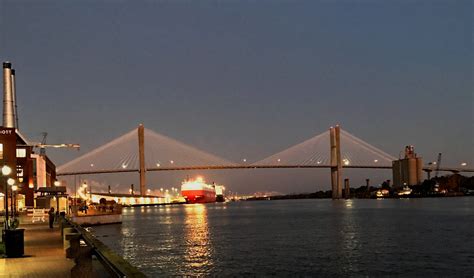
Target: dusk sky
246,78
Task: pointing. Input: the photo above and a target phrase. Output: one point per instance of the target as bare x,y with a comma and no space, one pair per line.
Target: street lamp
11,182
6,170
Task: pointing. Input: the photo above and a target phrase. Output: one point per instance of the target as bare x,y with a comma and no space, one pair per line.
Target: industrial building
29,172
408,170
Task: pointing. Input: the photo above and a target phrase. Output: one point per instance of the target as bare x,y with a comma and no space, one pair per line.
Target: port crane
42,146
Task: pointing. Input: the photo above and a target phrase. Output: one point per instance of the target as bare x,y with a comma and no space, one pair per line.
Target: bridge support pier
336,162
141,154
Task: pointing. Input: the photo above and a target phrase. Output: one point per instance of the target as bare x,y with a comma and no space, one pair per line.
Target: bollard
71,240
65,231
63,225
83,260
74,240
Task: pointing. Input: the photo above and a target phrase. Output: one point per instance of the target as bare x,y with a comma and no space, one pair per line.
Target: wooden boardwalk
44,255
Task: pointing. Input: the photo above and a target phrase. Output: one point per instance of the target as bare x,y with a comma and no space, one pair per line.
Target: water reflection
198,245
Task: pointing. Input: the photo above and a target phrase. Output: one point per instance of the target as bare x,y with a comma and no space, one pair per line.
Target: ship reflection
198,249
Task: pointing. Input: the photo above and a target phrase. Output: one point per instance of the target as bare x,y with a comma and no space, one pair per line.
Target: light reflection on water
198,249
410,237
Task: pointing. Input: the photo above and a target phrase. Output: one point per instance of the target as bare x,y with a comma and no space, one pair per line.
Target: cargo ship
197,191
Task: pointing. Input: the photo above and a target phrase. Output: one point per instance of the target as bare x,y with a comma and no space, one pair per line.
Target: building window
20,152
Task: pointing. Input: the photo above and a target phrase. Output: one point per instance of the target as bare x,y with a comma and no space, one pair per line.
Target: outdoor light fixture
14,187
6,170
10,181
57,183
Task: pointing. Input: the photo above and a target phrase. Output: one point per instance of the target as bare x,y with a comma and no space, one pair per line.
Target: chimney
15,107
8,105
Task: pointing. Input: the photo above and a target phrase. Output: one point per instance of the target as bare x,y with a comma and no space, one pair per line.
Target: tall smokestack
15,107
8,105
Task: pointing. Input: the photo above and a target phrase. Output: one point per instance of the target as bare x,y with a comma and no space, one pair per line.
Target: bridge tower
336,162
141,155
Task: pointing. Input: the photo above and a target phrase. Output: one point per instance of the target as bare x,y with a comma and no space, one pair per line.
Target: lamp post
14,187
5,172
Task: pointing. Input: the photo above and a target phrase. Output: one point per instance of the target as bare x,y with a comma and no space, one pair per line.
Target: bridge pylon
141,154
336,162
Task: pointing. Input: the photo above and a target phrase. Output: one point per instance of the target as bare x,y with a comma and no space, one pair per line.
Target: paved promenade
44,255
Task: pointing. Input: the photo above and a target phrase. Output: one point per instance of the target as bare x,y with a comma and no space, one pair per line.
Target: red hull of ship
199,196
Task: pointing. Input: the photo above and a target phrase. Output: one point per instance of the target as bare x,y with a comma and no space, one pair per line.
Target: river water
317,237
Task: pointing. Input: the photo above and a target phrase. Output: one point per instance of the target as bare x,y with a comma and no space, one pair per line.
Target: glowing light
197,184
30,185
376,160
464,164
92,164
345,161
319,162
278,160
6,170
171,161
14,187
11,181
57,183
244,160
124,166
158,165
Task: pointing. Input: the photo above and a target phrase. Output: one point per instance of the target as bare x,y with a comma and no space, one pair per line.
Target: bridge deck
225,167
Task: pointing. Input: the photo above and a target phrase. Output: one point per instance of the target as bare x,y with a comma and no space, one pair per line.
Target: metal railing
116,265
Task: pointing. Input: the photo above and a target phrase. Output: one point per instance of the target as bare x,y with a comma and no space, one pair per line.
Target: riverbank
44,255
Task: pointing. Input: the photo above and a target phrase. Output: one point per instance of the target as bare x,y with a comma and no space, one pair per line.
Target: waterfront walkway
44,255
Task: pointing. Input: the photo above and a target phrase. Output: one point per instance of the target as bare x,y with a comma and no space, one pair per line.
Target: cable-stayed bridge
166,154
147,150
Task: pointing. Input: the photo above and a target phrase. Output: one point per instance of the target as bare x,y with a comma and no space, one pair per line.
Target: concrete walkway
44,255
